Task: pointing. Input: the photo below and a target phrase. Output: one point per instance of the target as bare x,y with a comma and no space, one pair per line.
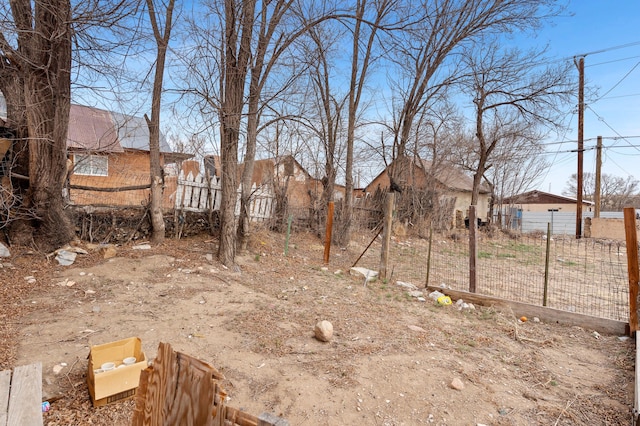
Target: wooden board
25,399
550,315
5,382
636,399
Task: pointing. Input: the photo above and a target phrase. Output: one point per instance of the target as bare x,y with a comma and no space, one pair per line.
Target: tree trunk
48,99
157,184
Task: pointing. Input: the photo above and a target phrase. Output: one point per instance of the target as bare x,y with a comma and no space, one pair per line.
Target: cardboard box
121,383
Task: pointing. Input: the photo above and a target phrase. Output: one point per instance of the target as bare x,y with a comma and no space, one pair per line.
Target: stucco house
449,181
539,201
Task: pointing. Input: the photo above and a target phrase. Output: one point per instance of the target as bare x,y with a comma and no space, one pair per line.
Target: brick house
109,162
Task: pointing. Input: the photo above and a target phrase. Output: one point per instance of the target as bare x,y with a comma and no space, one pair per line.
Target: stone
323,331
142,247
66,257
415,293
416,328
435,295
4,251
367,273
108,252
57,369
406,285
457,384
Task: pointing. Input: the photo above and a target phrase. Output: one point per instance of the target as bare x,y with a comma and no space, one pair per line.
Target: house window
91,165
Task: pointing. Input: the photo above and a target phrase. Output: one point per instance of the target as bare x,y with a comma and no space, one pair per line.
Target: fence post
327,238
426,280
632,265
546,266
473,249
386,234
286,242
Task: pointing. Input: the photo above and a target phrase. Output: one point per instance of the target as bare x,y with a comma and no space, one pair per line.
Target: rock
4,251
435,295
66,257
324,331
324,269
406,285
416,328
415,293
457,384
57,369
108,252
421,299
536,319
142,247
367,273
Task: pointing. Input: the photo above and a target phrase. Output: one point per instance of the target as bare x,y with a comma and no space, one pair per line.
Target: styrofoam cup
107,366
129,360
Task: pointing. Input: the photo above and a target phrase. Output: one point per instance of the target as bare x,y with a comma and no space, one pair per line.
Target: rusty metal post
327,238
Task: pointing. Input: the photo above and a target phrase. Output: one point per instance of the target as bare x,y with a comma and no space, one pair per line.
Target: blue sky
607,31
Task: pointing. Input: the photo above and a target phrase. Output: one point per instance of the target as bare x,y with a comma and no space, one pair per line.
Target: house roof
541,197
94,129
447,174
450,176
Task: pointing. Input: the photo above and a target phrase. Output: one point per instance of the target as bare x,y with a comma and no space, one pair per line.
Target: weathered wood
115,189
329,229
5,383
549,315
181,390
473,249
636,399
386,234
25,398
632,265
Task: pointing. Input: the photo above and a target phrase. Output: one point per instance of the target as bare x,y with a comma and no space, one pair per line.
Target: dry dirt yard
391,361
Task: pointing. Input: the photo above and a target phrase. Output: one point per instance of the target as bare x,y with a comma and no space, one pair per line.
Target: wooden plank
25,400
632,265
386,234
5,382
549,315
636,407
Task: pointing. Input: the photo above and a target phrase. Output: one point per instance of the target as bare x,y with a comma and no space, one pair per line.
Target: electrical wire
618,83
612,129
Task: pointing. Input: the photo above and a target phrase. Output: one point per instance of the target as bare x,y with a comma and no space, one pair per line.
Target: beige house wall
565,208
612,229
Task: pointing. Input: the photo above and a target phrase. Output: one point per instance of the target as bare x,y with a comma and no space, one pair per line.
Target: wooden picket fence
199,194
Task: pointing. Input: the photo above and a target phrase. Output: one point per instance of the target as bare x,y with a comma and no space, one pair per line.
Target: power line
612,61
614,130
619,81
609,49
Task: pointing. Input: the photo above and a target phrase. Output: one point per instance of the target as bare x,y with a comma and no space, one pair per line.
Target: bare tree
426,45
36,81
511,94
615,192
161,36
362,57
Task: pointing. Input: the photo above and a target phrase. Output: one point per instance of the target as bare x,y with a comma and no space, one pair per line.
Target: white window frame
90,165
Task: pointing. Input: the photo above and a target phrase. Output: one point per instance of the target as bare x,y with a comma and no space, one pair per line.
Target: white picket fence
195,194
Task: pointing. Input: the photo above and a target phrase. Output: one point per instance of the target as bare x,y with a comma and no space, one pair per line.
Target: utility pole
596,200
580,66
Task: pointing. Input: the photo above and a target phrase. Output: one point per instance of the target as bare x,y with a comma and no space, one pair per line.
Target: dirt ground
391,361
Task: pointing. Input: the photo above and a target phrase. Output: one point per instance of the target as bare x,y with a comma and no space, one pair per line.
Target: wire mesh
585,276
